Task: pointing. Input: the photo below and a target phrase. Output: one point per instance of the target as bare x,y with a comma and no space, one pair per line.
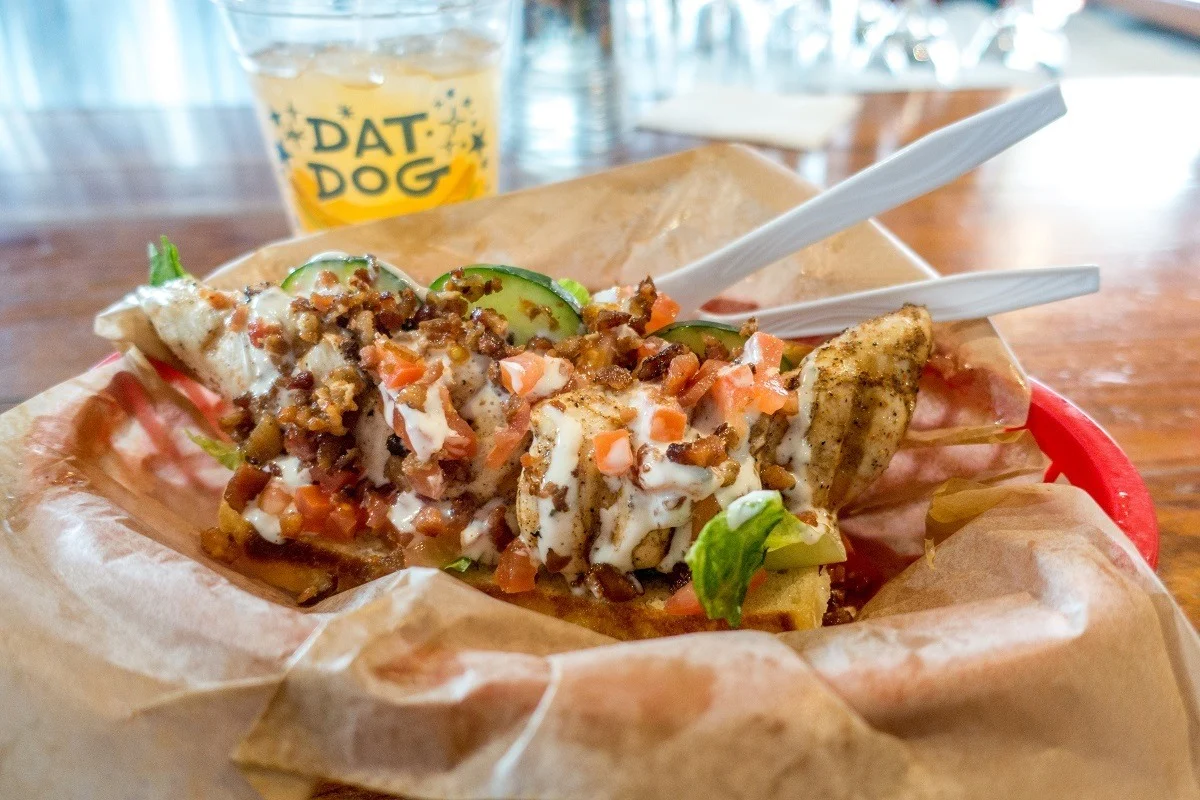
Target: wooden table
1117,183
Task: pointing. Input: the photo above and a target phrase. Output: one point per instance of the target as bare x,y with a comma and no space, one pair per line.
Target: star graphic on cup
477,143
281,151
276,117
291,110
294,135
346,111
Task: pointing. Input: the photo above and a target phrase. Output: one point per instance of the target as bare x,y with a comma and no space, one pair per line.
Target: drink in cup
373,108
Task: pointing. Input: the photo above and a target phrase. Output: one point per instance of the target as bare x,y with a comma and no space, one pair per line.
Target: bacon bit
776,477
321,302
763,350
314,505
462,443
662,313
667,424
259,330
274,498
770,395
701,382
342,521
733,391
609,583
685,603
520,373
509,437
707,451
680,370
290,524
613,452
237,320
517,571
426,478
244,486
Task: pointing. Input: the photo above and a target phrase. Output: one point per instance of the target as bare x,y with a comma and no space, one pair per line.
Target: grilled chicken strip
856,397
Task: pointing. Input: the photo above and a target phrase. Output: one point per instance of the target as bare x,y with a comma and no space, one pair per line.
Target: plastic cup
373,108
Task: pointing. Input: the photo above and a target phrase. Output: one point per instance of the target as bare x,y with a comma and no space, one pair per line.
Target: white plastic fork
972,295
931,161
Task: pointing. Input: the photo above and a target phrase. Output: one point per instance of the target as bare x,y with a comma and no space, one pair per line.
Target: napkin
793,121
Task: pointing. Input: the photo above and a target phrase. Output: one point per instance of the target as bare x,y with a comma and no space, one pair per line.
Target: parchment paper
1035,656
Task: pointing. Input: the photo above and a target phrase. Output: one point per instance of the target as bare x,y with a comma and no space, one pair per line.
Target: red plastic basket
1079,450
1085,455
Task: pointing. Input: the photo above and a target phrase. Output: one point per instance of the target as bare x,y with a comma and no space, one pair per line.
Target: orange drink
393,112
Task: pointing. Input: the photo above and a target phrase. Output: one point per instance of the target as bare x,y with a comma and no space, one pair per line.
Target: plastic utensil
928,163
972,295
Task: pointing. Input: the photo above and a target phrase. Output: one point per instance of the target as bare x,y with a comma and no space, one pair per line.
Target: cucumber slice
302,279
691,334
533,304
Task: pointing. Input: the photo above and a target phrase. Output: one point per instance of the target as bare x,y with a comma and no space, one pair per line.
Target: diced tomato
426,478
613,452
667,424
679,372
274,498
685,603
701,382
377,507
733,391
333,481
769,393
342,521
763,350
517,571
399,373
520,373
649,347
314,505
462,443
507,438
662,313
259,330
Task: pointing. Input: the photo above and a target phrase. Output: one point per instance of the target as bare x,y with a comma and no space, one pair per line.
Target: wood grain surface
1116,183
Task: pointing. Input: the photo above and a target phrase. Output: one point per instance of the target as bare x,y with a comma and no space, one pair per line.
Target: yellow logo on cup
352,152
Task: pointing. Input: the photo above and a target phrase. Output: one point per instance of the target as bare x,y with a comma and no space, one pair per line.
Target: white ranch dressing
681,542
266,524
428,429
292,473
477,543
795,451
371,433
557,528
404,510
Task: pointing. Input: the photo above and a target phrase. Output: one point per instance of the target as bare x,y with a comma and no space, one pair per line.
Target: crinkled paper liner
1033,654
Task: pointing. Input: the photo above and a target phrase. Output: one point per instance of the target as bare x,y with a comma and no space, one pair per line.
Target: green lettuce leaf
164,264
460,564
793,544
577,289
728,551
224,452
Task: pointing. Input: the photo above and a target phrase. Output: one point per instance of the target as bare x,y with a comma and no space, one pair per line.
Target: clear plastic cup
373,108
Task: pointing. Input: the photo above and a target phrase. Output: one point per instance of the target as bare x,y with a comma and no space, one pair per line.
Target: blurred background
83,80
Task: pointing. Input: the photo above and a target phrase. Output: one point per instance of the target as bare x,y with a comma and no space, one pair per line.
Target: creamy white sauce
428,429
292,473
322,359
795,451
681,542
744,509
477,544
747,479
625,524
555,377
273,306
266,524
404,510
557,528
